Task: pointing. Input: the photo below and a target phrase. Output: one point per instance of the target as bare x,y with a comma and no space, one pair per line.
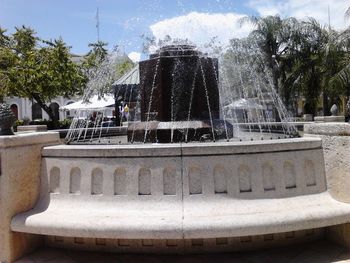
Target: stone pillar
336,150
20,166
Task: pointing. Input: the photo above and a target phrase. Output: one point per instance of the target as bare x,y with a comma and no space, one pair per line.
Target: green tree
347,13
304,58
316,61
96,55
342,77
305,72
41,72
6,61
275,36
332,62
102,68
124,67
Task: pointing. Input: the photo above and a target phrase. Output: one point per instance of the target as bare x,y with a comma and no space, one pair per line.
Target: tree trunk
43,105
326,111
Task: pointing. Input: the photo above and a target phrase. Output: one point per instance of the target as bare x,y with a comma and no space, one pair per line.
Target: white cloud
134,56
302,9
200,28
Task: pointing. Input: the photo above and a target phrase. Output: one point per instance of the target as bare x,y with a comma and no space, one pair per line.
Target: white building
24,108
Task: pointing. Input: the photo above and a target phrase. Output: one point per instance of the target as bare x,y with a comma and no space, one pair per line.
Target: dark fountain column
169,78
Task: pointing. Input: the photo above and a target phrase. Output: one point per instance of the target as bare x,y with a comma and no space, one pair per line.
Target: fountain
182,97
232,190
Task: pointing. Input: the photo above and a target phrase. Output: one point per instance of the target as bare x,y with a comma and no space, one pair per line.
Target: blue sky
122,22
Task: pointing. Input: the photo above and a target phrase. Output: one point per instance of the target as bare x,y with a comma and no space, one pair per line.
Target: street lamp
118,102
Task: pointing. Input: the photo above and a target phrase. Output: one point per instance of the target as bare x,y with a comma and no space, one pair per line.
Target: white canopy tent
130,78
107,101
94,103
244,104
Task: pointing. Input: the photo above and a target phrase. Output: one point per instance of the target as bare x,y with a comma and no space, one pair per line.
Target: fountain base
179,131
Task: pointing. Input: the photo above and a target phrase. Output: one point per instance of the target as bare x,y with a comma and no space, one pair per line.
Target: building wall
24,106
341,106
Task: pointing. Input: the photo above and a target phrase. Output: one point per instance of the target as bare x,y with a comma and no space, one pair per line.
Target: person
126,112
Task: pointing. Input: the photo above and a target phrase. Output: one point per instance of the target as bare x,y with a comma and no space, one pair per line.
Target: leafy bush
51,125
65,124
18,123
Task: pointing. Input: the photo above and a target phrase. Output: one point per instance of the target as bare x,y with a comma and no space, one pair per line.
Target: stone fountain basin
183,191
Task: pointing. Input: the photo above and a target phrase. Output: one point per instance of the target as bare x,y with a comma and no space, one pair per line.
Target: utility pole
329,19
98,25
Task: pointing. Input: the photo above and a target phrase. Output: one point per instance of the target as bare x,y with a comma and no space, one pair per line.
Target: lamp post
118,117
117,100
116,107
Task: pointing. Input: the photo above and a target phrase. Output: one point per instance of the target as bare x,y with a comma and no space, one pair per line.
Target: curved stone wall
190,170
191,192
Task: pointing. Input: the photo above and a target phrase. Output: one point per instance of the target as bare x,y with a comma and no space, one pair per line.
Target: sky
125,23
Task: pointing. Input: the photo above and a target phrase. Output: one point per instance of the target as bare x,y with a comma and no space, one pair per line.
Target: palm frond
347,13
248,20
342,78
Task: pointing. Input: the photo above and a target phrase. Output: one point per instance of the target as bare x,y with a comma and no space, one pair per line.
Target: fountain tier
179,96
170,79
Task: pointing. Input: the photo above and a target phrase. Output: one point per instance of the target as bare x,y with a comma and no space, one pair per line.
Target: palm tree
97,54
347,13
313,62
304,57
324,44
342,77
276,38
266,35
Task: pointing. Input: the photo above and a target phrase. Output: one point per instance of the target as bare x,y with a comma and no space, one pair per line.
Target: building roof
130,78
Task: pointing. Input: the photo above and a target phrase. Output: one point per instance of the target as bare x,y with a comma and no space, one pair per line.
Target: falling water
191,98
99,83
151,99
221,104
207,98
137,108
252,81
242,76
176,70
